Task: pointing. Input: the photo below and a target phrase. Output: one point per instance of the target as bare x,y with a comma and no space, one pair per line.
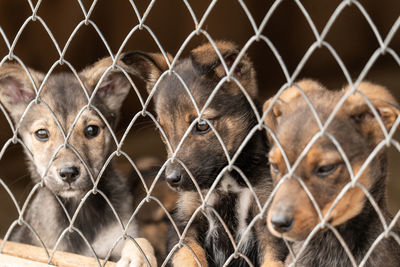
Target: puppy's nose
282,223
174,178
69,174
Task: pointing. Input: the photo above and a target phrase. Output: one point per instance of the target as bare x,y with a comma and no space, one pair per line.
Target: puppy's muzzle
69,174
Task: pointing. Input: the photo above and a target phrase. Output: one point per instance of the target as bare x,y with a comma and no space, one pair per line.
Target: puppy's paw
132,257
184,256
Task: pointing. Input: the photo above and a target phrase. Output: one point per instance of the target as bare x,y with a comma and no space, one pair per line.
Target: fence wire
199,29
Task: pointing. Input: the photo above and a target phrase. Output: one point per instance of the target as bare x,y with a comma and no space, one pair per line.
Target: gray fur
65,97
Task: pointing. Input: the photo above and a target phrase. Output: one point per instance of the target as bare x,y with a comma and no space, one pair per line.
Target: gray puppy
66,146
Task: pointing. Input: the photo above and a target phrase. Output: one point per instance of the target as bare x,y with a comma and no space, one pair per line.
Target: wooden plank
11,261
37,254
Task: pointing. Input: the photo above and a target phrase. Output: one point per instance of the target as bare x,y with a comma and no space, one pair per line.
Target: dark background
351,36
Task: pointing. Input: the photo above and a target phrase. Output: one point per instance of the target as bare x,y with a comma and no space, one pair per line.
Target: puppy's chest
228,210
227,218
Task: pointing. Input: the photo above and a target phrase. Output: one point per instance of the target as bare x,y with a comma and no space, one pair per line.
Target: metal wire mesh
199,29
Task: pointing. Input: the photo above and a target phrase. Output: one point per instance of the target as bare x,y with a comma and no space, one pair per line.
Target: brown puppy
201,156
324,172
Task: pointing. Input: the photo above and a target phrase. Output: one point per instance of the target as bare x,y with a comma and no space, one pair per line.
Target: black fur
207,161
252,162
201,153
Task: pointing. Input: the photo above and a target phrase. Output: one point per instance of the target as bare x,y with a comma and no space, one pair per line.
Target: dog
66,147
201,159
325,173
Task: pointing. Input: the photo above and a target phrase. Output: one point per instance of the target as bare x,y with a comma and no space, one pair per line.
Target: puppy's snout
174,178
69,174
282,222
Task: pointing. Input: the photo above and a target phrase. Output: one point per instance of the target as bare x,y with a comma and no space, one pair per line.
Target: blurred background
351,36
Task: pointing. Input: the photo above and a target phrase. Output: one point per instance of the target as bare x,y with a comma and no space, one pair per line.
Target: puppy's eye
91,131
274,168
325,170
42,135
202,127
358,118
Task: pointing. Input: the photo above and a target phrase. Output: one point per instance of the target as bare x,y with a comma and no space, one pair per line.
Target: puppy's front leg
131,256
184,256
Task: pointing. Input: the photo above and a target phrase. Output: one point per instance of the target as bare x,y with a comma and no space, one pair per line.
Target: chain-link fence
81,107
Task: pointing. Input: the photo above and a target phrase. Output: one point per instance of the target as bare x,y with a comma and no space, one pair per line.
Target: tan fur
290,94
93,73
147,163
270,261
372,91
189,117
276,157
210,113
293,92
233,138
188,202
305,216
351,203
205,55
185,257
271,118
131,254
161,61
381,99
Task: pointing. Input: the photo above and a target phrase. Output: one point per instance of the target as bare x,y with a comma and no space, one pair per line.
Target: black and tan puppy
325,173
201,160
66,148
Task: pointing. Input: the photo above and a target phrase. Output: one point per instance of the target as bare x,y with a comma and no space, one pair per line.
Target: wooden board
11,261
17,254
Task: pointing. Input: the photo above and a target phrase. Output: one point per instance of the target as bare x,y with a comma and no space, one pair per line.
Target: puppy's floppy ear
206,61
272,118
16,89
114,86
359,111
147,66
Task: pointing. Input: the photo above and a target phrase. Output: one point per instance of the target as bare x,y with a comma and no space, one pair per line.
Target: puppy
67,143
197,167
323,170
